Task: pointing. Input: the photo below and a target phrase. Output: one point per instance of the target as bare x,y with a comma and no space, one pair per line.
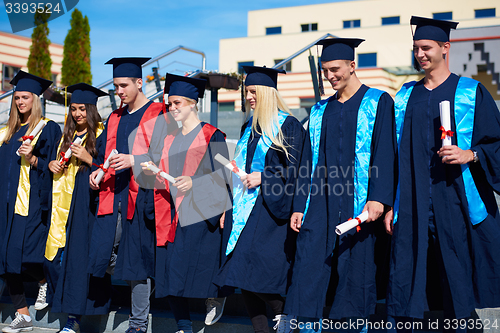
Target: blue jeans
139,311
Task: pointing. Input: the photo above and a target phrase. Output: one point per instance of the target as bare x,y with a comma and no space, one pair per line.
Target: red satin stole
141,145
165,225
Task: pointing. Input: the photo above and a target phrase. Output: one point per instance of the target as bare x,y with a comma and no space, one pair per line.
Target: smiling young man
446,225
347,167
123,239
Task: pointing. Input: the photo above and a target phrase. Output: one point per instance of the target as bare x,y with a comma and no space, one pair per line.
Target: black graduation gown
351,271
135,260
186,267
22,238
469,253
76,291
263,256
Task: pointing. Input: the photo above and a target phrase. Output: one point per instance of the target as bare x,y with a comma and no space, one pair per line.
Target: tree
39,61
76,54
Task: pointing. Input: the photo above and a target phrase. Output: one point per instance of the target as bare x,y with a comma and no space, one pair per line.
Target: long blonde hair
265,115
14,122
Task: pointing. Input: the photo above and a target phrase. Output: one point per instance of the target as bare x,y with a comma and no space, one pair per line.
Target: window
352,24
287,67
8,73
243,63
390,20
367,60
489,12
273,31
226,106
443,16
309,27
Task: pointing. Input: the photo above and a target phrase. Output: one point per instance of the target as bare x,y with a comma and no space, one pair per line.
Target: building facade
384,60
14,53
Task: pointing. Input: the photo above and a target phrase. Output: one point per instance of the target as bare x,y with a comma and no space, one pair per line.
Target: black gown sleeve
381,187
210,183
280,173
303,175
486,138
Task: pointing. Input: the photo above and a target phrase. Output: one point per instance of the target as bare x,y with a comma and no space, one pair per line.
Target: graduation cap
437,30
83,93
127,67
262,76
29,82
338,48
176,85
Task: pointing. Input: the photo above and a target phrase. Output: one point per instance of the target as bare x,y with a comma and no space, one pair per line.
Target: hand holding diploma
28,138
183,183
65,156
154,169
444,115
252,180
96,176
454,155
121,161
351,223
231,165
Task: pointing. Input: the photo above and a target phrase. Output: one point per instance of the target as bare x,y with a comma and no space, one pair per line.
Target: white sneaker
19,324
283,323
215,306
41,300
72,325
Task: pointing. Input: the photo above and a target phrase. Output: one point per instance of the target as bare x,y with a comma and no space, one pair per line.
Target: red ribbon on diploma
63,158
27,137
235,168
358,227
101,166
445,133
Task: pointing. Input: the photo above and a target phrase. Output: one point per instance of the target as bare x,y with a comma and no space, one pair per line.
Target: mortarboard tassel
320,75
65,105
243,109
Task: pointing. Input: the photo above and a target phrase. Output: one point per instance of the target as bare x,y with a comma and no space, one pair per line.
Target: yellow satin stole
23,189
63,185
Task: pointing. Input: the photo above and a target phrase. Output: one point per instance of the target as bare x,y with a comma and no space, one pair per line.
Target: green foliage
39,61
76,54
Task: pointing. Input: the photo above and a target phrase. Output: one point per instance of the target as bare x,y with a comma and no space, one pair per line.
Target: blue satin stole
244,199
465,106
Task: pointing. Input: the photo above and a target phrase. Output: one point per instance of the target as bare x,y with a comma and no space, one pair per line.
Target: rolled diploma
348,225
163,174
444,114
68,152
105,166
41,124
224,161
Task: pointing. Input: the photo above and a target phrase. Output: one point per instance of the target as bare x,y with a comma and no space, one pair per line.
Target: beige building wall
15,50
391,43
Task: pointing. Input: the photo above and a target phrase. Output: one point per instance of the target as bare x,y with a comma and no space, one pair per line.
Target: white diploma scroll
35,132
444,113
348,225
68,152
224,161
163,174
105,166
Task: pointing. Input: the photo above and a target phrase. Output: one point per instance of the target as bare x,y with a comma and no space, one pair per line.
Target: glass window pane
443,16
488,12
273,31
367,60
390,20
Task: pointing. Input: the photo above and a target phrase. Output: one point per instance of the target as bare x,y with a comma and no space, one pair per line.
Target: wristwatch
475,158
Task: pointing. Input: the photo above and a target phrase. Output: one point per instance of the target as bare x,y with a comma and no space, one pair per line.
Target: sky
148,28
